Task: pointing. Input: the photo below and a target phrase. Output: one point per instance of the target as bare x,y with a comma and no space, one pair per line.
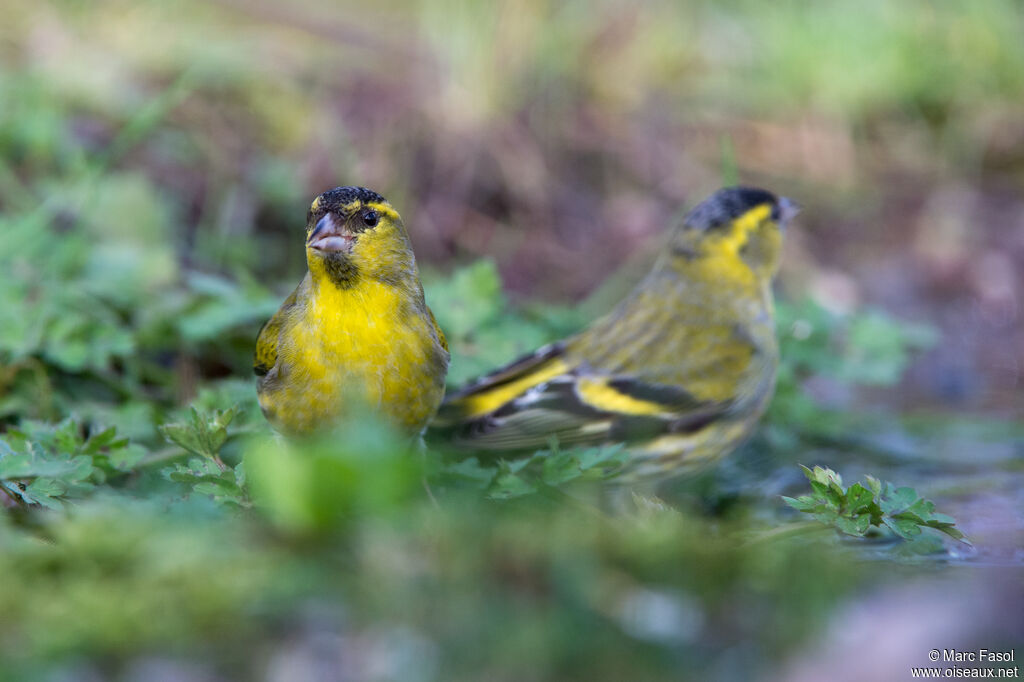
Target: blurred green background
156,163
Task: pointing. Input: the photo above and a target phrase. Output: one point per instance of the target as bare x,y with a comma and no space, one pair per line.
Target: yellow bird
356,332
680,370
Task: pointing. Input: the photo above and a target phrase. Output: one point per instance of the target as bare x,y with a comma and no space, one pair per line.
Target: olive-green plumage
680,370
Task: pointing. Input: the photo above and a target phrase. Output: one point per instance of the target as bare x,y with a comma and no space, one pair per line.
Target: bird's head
353,232
741,223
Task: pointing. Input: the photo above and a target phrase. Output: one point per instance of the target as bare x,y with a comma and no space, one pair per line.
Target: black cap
339,196
727,204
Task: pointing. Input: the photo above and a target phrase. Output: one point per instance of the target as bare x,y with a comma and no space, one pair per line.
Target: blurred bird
356,331
681,370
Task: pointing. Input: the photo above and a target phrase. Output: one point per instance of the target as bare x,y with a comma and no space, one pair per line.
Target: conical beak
787,210
328,236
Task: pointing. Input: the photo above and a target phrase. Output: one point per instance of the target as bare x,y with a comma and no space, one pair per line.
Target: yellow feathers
484,402
356,332
600,395
680,370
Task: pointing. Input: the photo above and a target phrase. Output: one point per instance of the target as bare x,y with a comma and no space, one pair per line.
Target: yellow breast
365,344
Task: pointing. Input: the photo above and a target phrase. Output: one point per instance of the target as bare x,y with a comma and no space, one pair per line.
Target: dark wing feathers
266,341
464,403
577,407
513,371
672,397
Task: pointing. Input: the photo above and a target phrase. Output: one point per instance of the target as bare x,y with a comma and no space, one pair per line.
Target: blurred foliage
483,328
427,556
156,160
450,592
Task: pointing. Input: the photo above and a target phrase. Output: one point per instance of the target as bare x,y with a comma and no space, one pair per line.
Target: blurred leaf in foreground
323,483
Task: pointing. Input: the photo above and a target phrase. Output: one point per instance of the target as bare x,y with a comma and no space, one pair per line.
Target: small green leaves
203,434
222,483
879,348
483,330
858,509
858,498
44,464
866,348
910,513
505,480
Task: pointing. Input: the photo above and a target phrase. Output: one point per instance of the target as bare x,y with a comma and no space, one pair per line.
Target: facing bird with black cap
356,333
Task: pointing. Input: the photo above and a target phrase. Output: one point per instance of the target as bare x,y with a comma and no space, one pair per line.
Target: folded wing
550,395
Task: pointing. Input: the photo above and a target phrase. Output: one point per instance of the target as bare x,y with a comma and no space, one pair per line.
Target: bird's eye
370,218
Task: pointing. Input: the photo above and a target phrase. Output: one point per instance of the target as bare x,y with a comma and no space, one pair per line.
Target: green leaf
921,508
898,509
826,515
203,434
858,498
206,477
610,455
514,466
898,500
471,470
922,545
851,526
948,529
802,503
510,486
560,468
104,439
66,437
45,492
125,458
903,527
826,494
